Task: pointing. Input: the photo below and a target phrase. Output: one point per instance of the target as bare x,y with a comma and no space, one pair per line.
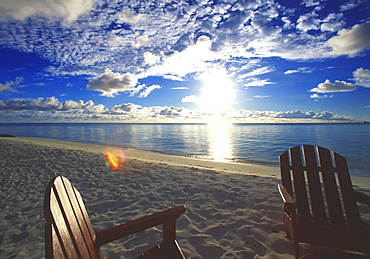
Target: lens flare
115,158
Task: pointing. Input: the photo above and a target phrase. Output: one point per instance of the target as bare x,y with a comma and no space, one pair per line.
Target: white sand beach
233,209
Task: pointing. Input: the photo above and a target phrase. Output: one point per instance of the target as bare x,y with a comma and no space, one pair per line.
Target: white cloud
150,58
69,10
257,72
311,21
252,81
10,85
110,83
192,59
140,42
295,115
116,41
362,77
97,109
73,105
309,3
180,88
293,71
173,77
169,40
308,22
130,17
351,41
261,96
171,111
183,40
249,78
51,109
333,22
41,104
299,70
317,96
350,5
190,99
337,86
71,70
124,108
148,90
30,104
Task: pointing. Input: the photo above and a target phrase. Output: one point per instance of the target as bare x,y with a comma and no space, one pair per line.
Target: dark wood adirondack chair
319,200
69,234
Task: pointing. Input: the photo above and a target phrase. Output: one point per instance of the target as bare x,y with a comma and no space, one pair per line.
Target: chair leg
296,248
287,233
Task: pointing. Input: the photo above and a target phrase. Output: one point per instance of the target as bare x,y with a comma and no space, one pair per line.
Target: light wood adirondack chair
316,211
69,234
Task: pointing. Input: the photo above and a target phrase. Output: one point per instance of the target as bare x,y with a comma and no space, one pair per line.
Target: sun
217,93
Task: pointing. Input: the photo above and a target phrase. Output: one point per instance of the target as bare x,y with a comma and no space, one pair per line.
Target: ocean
249,143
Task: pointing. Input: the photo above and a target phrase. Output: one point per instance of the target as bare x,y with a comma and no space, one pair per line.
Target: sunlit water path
251,143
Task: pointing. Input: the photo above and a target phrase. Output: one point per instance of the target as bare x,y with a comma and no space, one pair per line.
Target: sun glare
220,143
217,93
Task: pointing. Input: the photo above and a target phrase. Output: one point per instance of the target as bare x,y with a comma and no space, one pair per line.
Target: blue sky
184,61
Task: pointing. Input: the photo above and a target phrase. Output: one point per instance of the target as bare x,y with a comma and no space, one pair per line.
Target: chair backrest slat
330,184
70,218
301,167
349,201
64,238
285,171
68,221
54,241
314,183
300,189
81,216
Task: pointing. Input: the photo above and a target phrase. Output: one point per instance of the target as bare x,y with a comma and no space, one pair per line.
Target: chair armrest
362,197
287,198
290,205
168,217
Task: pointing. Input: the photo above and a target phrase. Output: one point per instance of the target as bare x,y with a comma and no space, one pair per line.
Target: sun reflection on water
221,148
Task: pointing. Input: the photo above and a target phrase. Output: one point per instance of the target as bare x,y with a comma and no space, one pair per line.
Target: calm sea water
252,143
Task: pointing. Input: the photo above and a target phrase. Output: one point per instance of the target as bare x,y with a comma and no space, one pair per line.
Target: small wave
235,160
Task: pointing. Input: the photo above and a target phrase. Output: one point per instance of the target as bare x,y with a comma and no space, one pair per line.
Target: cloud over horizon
52,109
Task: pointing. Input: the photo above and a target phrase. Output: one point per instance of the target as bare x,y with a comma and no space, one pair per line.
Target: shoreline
249,148
156,157
177,160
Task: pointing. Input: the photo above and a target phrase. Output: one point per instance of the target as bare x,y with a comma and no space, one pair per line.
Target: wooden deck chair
69,234
319,200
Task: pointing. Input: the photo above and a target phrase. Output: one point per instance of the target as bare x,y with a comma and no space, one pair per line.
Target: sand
233,210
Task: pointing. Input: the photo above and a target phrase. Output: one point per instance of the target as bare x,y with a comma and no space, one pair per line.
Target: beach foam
233,210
